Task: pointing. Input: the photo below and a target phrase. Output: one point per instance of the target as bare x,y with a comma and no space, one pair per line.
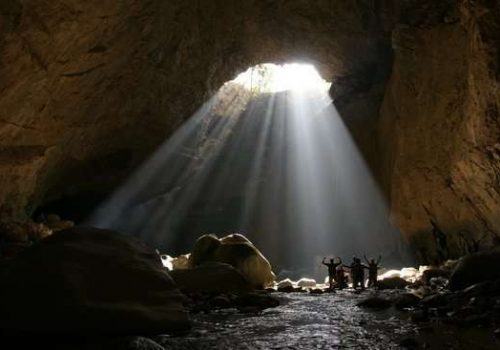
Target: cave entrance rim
293,76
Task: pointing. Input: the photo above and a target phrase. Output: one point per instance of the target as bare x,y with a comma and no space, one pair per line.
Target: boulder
486,288
211,277
180,262
434,272
375,303
476,268
204,250
316,291
436,300
392,283
285,283
406,300
286,289
237,251
306,283
88,280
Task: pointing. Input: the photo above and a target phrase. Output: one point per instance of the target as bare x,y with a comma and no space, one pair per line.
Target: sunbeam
267,156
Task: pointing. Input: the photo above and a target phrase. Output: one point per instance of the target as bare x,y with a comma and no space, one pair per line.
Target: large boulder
476,268
237,251
88,280
211,277
392,283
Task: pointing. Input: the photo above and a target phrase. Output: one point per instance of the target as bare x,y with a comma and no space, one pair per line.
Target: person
332,267
373,267
357,273
340,277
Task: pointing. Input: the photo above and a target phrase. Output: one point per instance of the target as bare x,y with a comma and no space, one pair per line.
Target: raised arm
366,259
379,259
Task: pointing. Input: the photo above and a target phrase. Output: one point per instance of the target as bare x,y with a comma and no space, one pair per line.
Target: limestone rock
406,300
236,251
306,283
180,262
476,268
23,231
392,283
211,277
89,280
441,154
431,273
67,87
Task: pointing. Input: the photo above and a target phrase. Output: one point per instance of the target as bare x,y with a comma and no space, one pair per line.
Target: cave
100,102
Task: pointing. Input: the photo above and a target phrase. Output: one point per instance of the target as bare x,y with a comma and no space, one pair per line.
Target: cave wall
88,89
440,127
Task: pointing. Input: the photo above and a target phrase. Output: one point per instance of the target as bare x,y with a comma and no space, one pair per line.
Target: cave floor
328,321
302,321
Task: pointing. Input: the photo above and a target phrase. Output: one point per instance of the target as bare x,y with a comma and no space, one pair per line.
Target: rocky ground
303,321
95,286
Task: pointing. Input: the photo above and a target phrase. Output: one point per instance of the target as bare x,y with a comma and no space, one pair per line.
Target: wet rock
91,280
237,251
262,301
211,277
476,268
288,286
222,301
487,288
375,303
286,289
406,300
438,282
285,283
392,283
436,300
306,283
316,291
427,275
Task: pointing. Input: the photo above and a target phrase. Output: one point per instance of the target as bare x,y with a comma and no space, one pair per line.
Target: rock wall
440,126
88,89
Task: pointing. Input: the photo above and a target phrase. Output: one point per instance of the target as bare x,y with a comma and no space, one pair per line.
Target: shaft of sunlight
268,156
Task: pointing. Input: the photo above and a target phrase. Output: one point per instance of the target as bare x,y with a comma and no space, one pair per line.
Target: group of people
338,278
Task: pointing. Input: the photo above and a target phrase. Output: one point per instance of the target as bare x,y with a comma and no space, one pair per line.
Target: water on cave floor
328,321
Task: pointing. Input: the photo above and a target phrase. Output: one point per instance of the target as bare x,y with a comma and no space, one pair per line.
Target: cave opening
267,156
390,145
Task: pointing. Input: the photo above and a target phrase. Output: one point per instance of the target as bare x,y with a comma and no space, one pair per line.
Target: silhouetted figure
332,267
373,270
357,273
340,277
